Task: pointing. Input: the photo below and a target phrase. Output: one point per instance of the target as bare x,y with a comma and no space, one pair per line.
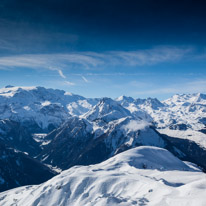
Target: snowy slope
140,176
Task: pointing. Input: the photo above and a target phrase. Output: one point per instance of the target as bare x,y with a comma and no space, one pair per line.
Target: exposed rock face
17,169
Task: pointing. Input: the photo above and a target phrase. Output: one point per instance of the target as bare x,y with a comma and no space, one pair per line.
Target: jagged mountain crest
124,100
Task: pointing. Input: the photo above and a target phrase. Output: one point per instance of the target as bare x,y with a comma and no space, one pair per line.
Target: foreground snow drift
140,176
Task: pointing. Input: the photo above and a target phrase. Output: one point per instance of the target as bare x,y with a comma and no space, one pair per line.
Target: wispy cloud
135,125
150,56
49,61
85,79
87,60
61,74
69,83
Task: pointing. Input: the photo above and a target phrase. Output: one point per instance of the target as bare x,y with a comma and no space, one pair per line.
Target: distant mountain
187,109
183,115
140,176
43,109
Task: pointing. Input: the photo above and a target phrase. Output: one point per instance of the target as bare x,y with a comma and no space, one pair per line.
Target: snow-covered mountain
41,108
49,108
107,129
180,109
133,106
187,109
181,116
107,110
140,176
61,129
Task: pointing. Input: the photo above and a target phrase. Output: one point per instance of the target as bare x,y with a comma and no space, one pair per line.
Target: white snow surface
141,176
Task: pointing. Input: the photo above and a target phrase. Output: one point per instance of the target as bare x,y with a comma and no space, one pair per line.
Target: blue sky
104,48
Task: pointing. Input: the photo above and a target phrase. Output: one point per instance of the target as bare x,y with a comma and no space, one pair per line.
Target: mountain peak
107,109
154,103
124,98
106,100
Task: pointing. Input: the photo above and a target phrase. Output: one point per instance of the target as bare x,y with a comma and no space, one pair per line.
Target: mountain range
55,130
